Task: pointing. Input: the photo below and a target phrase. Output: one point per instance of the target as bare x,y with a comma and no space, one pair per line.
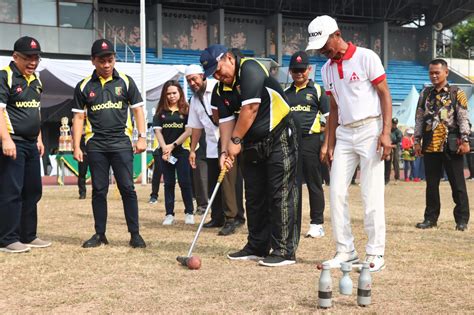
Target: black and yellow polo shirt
172,125
252,84
107,103
20,98
308,104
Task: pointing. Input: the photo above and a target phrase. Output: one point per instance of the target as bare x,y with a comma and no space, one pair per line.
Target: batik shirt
438,115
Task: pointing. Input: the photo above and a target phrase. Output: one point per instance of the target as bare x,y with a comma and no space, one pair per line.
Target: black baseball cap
299,60
394,120
102,47
27,46
210,57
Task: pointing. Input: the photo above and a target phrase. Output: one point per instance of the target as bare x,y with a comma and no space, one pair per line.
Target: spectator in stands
308,102
255,117
21,147
226,212
419,167
171,129
396,137
408,155
442,115
108,96
355,79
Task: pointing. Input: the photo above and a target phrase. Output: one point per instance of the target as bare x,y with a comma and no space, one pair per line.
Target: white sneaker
342,257
169,219
377,260
315,231
189,219
16,247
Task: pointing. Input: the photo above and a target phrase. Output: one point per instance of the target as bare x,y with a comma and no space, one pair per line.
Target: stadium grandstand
405,34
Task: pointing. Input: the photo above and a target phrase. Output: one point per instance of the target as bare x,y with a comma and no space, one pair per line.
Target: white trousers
354,146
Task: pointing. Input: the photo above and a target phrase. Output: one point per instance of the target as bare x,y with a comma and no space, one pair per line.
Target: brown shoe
16,247
38,243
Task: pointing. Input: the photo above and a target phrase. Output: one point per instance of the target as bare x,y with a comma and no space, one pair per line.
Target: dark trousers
233,193
156,177
325,174
20,191
310,148
271,194
470,164
395,161
454,166
81,177
226,205
200,183
122,165
408,165
183,169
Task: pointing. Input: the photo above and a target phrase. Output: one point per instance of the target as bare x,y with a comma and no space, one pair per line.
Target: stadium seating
401,75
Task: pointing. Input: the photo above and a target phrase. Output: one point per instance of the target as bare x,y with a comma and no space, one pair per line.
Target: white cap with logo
193,69
319,30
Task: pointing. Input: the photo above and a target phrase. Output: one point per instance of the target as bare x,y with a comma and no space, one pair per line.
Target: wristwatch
142,135
236,140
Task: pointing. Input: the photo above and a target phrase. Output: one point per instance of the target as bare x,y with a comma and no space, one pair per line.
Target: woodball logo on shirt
19,89
118,90
91,94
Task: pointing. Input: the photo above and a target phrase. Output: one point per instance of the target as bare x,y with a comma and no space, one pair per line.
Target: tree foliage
463,35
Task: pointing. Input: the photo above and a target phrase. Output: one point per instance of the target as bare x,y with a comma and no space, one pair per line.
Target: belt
362,122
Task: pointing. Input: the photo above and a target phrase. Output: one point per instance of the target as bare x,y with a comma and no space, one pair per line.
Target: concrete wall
52,39
463,66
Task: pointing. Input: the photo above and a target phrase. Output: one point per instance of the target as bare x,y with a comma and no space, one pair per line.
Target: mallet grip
222,174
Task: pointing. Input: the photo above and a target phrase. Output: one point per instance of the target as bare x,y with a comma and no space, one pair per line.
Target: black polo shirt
308,103
172,126
20,99
109,124
252,84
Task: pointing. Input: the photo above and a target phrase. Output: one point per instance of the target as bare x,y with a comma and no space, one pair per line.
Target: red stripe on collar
347,55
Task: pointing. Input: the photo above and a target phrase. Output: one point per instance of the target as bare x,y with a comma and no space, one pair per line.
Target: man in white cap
355,80
225,210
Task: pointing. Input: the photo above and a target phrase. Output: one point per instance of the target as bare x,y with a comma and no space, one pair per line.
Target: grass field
427,271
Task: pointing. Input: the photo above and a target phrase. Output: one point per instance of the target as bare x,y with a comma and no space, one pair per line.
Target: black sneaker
229,228
461,227
95,241
243,255
276,261
136,241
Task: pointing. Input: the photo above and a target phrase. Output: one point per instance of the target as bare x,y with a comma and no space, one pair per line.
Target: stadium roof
396,12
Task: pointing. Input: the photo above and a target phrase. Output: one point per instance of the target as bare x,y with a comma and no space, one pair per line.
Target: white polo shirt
199,119
351,81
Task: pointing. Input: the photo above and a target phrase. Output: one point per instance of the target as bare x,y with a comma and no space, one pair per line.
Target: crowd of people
268,139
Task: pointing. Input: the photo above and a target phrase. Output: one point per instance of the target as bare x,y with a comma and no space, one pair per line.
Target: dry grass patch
427,271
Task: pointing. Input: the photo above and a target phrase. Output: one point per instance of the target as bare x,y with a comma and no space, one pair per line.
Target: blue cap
210,57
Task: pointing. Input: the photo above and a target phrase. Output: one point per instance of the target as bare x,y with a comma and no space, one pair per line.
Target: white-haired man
227,212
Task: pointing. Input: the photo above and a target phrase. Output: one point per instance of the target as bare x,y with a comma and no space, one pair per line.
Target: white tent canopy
60,77
407,110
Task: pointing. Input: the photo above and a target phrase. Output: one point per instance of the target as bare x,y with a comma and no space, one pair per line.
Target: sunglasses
29,58
298,70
